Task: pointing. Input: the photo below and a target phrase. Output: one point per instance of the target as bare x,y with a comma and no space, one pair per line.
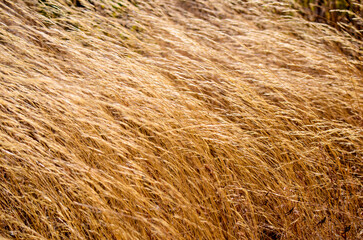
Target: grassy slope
177,119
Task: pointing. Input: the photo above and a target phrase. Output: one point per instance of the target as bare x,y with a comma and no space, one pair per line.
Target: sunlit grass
177,120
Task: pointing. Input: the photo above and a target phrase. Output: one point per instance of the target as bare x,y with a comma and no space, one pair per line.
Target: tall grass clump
181,119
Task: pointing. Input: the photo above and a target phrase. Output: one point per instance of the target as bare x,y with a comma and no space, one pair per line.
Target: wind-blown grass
177,120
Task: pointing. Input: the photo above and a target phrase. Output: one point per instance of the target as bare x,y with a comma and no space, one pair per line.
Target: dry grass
177,119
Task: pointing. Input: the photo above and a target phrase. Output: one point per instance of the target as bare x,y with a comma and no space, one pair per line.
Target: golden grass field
179,119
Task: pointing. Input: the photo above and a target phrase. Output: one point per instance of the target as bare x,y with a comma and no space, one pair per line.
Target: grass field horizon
181,119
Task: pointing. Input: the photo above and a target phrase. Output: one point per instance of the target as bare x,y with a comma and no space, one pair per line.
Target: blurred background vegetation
345,15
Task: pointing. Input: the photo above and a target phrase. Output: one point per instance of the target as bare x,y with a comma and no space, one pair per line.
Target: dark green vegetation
346,15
